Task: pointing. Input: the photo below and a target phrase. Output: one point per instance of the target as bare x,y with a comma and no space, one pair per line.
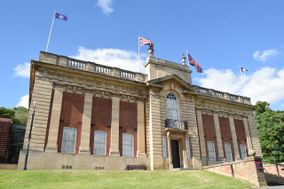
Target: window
228,151
243,151
68,140
127,145
172,107
100,143
187,145
164,144
211,150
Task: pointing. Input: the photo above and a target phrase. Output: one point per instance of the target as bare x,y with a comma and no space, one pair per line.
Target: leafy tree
19,114
270,125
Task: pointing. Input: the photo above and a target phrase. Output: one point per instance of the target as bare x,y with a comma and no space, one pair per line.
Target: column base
116,154
143,155
51,149
85,151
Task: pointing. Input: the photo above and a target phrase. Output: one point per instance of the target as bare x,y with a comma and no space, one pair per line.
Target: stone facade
173,123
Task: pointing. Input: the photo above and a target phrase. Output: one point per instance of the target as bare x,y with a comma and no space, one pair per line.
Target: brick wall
209,131
240,132
71,116
101,120
226,134
128,122
5,126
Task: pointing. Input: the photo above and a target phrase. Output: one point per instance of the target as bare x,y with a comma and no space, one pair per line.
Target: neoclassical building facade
91,116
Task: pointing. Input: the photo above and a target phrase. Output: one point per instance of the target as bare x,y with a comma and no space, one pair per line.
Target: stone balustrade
90,66
222,95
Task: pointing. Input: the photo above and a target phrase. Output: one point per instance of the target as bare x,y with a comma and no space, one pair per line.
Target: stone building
91,116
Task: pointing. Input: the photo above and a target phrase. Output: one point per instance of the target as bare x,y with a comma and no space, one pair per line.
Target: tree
19,115
270,125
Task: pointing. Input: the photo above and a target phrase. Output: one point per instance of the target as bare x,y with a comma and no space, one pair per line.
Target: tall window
211,150
127,145
243,150
100,142
187,145
164,145
68,140
172,107
228,151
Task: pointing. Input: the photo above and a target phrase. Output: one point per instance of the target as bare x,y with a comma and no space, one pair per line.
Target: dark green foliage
270,125
19,114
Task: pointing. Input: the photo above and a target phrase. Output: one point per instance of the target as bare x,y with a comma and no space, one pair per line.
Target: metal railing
175,124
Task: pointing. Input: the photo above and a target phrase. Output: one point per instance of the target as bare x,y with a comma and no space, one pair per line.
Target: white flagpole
50,31
242,76
138,54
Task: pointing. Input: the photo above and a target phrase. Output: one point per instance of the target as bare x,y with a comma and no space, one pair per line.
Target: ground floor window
188,153
228,151
211,150
127,145
164,145
100,142
68,140
243,150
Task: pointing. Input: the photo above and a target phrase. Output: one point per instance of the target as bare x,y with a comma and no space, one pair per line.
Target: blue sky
222,35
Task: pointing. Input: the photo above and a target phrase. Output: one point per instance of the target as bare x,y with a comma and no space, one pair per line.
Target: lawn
117,179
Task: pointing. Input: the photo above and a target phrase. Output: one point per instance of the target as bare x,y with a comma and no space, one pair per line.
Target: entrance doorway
175,153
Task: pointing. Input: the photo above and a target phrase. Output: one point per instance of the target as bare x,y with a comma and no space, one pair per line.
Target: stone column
218,136
86,123
114,146
140,129
54,120
201,134
248,137
234,138
184,157
169,149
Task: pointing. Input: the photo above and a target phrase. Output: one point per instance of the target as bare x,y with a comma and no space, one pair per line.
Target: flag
194,63
143,41
243,69
60,16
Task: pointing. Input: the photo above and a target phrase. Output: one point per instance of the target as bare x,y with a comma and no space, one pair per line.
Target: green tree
19,114
270,125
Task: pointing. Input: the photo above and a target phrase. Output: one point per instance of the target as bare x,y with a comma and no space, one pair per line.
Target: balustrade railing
76,64
175,124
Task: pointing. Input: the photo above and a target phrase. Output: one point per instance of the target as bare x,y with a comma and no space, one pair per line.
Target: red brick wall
209,131
240,132
5,125
128,122
101,119
226,134
71,116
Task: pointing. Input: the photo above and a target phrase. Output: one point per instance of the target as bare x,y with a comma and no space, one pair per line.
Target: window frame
164,147
132,145
241,150
75,141
105,142
188,148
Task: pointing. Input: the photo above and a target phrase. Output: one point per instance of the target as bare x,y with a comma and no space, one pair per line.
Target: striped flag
194,63
143,41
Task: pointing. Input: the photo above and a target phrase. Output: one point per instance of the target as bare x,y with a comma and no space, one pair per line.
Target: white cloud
22,70
105,5
24,101
265,55
119,58
266,84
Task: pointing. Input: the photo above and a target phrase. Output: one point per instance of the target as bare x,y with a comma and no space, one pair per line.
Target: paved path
274,187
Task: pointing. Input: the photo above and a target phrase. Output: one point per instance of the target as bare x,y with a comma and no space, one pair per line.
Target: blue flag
60,16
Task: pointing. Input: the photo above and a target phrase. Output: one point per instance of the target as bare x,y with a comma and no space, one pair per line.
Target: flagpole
138,54
242,76
50,31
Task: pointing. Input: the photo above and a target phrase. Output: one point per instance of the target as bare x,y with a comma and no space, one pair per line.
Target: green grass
117,179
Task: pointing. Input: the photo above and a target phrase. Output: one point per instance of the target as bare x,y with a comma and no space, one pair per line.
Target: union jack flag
194,63
143,41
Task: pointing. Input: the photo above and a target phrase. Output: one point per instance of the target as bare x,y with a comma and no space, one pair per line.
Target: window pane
211,150
127,145
188,153
68,140
99,142
228,151
243,151
172,107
